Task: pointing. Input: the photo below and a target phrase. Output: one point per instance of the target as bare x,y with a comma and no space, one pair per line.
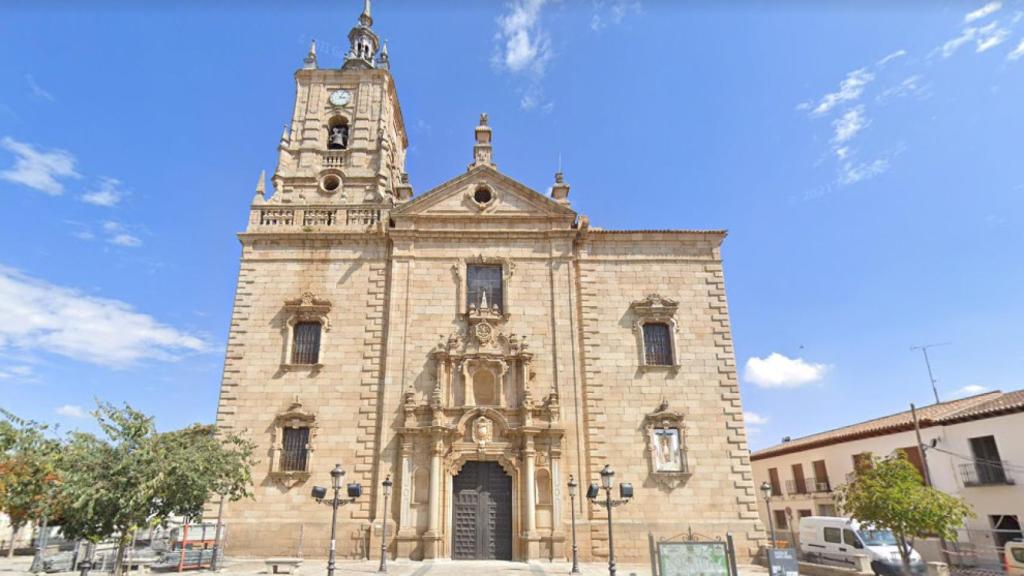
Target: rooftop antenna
931,377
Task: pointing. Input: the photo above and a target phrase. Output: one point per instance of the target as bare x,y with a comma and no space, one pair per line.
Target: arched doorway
482,513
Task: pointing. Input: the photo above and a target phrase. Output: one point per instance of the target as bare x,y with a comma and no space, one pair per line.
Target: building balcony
985,474
808,486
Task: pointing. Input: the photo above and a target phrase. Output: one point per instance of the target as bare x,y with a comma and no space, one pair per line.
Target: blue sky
865,158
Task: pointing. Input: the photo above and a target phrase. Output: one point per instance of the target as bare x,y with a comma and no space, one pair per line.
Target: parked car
1014,558
837,540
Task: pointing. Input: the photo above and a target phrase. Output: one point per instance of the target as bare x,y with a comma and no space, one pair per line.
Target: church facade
477,344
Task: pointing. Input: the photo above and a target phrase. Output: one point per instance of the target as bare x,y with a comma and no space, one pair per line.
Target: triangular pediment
483,191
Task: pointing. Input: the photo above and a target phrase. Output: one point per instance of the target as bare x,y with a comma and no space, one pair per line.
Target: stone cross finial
483,118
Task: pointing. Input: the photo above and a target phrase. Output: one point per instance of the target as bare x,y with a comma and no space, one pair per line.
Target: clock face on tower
340,97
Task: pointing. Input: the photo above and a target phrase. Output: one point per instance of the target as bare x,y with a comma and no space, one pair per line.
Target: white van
837,540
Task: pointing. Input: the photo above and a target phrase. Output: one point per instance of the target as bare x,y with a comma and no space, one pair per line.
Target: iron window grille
306,345
295,452
657,344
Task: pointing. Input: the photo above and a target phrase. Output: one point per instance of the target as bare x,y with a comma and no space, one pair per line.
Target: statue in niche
483,431
667,456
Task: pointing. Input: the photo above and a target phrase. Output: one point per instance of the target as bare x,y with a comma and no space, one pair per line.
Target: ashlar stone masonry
479,343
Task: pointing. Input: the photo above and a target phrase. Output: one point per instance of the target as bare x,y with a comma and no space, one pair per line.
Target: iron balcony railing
985,474
809,486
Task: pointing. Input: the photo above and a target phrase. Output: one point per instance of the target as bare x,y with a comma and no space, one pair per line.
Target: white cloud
890,57
848,125
16,372
125,239
985,38
72,411
118,235
39,170
38,90
522,45
982,12
612,13
849,89
853,172
108,193
991,36
1017,53
910,86
754,419
969,390
42,317
951,46
778,371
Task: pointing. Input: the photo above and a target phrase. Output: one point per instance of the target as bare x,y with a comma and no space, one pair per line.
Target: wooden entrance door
482,513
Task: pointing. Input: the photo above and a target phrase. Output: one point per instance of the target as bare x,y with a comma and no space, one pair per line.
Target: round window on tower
330,183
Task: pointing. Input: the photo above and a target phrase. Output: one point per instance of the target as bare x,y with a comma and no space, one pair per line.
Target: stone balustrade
314,218
334,159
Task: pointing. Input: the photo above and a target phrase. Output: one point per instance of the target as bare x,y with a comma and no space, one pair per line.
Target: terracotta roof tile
971,408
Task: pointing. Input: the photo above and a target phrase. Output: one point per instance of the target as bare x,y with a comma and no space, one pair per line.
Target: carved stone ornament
664,434
483,431
308,307
485,333
655,305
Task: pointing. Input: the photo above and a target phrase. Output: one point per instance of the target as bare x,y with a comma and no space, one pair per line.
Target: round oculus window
330,183
483,195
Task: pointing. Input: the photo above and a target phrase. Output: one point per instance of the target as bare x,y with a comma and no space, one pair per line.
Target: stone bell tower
346,141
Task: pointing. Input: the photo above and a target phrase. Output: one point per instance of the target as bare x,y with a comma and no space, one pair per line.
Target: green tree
133,476
891,495
28,461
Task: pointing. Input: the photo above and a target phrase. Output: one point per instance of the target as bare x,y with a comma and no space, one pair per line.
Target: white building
974,449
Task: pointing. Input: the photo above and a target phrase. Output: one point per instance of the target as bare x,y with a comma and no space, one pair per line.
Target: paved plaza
318,566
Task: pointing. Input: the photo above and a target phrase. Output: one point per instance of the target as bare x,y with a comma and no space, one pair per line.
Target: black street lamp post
766,489
625,493
387,484
572,504
319,493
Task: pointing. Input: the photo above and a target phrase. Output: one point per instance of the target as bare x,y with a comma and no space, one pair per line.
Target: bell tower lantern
346,142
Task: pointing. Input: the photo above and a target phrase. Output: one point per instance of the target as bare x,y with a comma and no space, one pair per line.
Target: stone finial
261,188
365,19
403,191
309,63
285,136
560,190
383,59
482,151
